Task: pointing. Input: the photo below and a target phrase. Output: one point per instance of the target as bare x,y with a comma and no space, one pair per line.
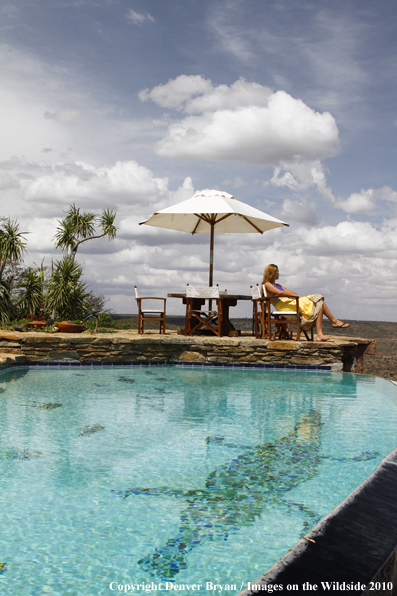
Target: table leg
227,325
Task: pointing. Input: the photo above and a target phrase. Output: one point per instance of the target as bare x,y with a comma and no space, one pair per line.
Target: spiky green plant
12,244
67,295
12,247
5,303
31,297
106,223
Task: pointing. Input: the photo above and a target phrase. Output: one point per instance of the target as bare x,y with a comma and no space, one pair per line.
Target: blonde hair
269,273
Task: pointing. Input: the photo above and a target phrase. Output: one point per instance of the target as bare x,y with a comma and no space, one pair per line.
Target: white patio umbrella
210,211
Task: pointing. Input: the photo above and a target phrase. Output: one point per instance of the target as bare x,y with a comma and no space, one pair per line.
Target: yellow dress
309,307
306,305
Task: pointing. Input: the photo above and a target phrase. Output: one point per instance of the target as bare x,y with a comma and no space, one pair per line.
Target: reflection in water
11,375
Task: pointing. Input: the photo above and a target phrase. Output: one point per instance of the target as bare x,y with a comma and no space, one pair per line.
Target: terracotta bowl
65,327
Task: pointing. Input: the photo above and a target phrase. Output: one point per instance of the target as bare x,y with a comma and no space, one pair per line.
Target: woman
312,307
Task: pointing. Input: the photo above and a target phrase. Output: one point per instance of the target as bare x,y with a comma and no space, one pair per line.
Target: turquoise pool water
130,476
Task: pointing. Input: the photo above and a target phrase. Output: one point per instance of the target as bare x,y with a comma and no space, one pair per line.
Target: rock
283,345
66,355
191,357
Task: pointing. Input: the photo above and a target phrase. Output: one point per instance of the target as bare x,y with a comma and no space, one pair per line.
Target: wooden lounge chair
284,322
197,319
146,314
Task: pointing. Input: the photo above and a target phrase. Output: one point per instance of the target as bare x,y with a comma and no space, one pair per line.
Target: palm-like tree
77,228
12,247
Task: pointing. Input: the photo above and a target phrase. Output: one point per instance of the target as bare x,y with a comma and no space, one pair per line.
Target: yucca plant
77,228
5,303
12,247
31,297
67,295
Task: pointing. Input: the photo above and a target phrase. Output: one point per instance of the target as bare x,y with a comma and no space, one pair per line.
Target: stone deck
345,354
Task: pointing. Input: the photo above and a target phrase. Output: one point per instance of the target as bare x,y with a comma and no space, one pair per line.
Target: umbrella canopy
210,211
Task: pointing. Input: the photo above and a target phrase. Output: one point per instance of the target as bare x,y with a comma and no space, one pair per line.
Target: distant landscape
383,364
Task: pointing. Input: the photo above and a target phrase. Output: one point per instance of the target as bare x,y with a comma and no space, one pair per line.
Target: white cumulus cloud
245,122
84,183
301,174
248,123
349,238
177,91
358,202
193,94
365,200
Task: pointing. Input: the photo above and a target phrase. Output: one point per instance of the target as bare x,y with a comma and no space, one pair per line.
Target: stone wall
131,347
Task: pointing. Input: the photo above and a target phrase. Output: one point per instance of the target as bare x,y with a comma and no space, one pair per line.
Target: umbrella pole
211,259
212,255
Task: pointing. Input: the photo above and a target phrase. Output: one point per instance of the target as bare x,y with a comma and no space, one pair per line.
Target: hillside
384,363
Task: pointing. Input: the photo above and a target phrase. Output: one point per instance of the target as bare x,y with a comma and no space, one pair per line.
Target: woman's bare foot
337,324
323,338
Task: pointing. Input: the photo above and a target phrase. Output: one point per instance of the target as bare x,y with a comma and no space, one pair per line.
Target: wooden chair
145,314
203,319
284,322
260,307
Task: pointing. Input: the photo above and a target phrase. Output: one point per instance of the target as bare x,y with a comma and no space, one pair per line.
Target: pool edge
133,363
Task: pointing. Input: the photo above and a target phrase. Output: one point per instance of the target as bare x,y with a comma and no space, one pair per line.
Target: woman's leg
319,325
335,322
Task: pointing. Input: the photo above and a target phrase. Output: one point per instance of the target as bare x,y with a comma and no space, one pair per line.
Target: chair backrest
196,292
270,306
136,292
255,292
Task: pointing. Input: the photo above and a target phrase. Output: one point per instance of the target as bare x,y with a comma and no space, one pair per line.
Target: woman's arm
273,291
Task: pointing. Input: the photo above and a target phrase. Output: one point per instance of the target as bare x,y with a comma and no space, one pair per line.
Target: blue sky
135,105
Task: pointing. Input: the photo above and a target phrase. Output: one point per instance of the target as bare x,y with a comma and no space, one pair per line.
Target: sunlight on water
175,474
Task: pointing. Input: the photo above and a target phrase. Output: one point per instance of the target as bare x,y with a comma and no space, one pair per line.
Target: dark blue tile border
63,364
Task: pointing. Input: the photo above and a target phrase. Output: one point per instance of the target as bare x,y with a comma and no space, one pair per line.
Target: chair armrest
150,298
296,298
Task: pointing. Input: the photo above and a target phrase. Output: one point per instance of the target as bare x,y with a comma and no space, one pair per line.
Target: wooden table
228,300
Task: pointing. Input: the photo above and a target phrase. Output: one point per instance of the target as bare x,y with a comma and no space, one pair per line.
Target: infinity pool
147,475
